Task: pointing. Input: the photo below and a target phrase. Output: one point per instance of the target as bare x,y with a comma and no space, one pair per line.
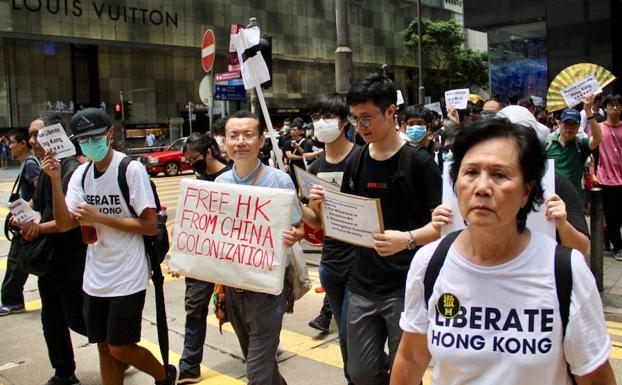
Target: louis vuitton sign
102,10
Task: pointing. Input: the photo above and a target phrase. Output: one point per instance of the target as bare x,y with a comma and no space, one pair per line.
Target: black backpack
563,277
156,247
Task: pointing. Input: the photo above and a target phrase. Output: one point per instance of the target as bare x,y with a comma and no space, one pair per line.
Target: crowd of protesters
483,304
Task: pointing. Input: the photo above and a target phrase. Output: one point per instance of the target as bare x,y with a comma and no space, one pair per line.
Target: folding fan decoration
573,81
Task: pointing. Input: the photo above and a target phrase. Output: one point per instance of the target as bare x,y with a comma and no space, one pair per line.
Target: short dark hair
526,102
201,143
298,123
613,98
331,103
20,134
531,156
375,88
244,114
418,111
219,126
49,118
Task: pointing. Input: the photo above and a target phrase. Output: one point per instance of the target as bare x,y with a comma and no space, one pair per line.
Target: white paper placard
400,97
535,220
350,218
54,138
232,234
574,93
436,106
21,210
306,180
457,98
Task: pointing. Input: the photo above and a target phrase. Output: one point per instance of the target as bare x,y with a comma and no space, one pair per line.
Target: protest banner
436,107
54,138
350,218
535,220
232,234
574,93
457,98
21,210
306,180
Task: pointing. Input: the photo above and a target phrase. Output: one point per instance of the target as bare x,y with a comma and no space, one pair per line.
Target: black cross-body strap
436,263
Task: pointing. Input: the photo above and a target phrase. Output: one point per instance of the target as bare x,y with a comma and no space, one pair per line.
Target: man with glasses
609,171
117,271
408,195
257,317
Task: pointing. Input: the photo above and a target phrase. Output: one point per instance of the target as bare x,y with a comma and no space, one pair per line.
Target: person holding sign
486,303
408,183
257,318
61,287
330,112
117,269
203,154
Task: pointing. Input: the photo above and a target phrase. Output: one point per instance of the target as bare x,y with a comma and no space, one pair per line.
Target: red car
170,162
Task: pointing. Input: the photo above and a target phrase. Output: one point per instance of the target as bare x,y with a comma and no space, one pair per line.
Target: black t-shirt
299,162
385,277
313,145
68,262
337,256
574,208
212,177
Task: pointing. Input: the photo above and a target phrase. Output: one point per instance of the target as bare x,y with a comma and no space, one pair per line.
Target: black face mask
199,166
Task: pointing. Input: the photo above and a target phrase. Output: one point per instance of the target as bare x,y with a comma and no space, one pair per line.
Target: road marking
3,264
209,376
616,325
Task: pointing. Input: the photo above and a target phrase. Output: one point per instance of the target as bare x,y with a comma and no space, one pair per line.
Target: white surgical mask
327,131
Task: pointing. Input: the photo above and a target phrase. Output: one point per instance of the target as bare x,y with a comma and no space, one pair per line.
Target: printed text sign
54,138
457,98
232,234
574,93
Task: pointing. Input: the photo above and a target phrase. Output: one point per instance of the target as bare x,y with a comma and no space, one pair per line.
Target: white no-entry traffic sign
208,50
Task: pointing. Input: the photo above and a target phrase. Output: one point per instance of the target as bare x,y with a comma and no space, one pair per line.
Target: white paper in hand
54,138
574,93
21,210
457,98
436,106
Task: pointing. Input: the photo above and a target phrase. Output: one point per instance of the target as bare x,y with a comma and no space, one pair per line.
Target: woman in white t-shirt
493,315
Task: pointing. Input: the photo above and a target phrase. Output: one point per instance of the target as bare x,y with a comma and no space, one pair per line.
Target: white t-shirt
116,265
508,330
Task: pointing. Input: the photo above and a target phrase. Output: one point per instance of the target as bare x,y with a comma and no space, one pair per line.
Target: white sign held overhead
400,97
206,90
458,99
574,93
54,138
436,107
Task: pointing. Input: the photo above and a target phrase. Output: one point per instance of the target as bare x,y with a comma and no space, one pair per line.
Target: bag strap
563,287
436,263
86,170
256,177
355,167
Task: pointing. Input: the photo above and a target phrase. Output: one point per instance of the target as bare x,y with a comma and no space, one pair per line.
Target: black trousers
61,309
14,279
612,206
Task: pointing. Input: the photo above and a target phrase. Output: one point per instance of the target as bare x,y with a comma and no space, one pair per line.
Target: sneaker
188,378
618,255
321,323
173,375
58,380
11,309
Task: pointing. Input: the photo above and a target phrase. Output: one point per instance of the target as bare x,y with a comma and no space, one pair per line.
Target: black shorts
114,320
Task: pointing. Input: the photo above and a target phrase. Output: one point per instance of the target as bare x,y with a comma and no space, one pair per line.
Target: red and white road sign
220,76
208,50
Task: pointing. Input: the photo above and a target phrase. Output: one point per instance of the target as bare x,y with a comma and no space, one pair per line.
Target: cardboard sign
350,218
54,138
535,220
574,93
232,234
435,107
306,180
22,211
457,98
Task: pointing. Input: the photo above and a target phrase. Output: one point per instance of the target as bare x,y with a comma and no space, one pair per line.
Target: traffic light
127,110
265,46
117,111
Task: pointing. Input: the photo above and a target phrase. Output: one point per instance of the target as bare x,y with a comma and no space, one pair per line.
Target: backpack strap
436,263
125,189
405,174
563,282
86,170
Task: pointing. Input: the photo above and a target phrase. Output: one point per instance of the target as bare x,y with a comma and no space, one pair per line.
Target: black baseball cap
90,121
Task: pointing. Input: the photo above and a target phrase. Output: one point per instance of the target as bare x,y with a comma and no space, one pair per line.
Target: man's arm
596,134
145,224
63,218
411,360
601,376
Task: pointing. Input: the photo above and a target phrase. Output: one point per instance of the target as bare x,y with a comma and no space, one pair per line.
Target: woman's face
490,186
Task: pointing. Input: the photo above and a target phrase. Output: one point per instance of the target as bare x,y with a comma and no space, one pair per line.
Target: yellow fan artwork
571,75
